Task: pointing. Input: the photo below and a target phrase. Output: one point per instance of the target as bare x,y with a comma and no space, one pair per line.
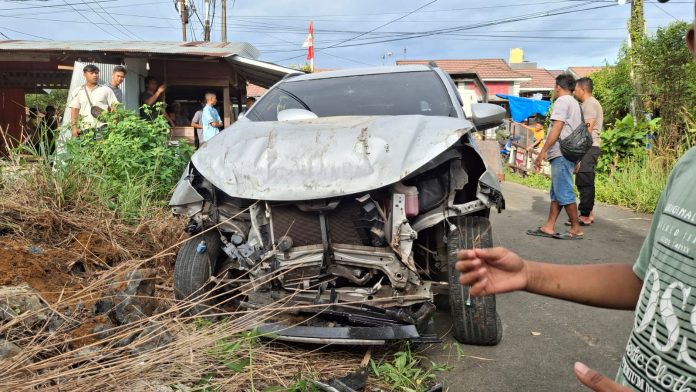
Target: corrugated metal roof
195,48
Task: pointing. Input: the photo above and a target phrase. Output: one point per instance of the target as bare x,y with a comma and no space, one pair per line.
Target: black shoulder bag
96,111
578,143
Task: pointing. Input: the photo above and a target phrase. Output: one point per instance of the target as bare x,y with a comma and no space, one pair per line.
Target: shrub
622,139
131,166
613,88
637,183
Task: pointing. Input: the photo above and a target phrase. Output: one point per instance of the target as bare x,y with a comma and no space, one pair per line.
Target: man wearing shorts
566,116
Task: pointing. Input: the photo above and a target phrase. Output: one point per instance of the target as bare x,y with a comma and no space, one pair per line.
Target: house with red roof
541,84
582,72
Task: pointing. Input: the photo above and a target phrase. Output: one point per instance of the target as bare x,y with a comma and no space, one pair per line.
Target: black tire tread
478,323
192,271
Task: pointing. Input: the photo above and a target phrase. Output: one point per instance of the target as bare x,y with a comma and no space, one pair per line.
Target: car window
363,95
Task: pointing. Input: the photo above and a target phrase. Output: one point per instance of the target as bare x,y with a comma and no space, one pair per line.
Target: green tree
613,88
669,77
56,98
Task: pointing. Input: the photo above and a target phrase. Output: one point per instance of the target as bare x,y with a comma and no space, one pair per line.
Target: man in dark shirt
153,93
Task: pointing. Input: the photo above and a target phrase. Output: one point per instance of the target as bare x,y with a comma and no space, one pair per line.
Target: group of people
573,106
91,99
660,354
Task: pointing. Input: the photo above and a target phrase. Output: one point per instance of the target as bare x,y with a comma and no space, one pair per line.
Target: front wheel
474,319
195,264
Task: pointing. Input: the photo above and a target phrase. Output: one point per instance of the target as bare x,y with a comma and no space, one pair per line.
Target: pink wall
493,88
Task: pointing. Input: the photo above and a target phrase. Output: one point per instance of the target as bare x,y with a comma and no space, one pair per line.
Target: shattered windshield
363,95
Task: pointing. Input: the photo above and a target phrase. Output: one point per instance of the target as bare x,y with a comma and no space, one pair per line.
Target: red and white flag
309,44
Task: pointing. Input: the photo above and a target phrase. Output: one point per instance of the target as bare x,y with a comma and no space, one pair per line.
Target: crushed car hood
323,157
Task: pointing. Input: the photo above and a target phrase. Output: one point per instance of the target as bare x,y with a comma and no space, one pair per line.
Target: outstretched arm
498,270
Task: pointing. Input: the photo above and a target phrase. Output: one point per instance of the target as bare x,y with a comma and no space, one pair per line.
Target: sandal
568,236
538,233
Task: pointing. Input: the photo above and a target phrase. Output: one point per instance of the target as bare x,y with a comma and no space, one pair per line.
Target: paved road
569,332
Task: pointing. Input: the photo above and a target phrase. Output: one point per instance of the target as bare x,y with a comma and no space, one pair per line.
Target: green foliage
56,98
405,373
532,180
613,88
637,183
625,136
664,68
668,74
306,67
130,163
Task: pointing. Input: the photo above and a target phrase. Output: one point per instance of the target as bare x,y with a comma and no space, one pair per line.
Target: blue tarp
522,108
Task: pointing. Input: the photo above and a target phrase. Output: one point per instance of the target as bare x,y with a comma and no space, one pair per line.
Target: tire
192,272
477,322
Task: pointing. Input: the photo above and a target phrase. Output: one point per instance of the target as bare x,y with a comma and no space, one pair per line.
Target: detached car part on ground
343,196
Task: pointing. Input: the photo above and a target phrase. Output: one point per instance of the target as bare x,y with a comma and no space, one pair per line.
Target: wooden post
227,112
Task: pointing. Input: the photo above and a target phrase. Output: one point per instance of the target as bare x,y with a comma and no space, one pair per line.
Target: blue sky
348,33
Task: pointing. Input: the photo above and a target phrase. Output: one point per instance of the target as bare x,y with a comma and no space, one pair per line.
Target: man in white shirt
89,101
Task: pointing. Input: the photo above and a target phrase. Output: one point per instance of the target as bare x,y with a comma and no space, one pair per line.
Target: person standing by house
153,93
565,117
210,119
118,75
248,104
89,101
197,126
660,354
585,176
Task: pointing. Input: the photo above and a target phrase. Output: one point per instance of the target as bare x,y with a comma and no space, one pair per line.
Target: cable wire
87,19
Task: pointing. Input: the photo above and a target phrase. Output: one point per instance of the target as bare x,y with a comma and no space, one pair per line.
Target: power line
663,10
119,23
383,25
479,25
55,5
87,19
104,19
556,11
23,33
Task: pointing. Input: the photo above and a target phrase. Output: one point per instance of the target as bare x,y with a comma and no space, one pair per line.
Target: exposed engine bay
372,259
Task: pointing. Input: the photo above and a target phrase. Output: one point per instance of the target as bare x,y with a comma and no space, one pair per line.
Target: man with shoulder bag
89,102
562,151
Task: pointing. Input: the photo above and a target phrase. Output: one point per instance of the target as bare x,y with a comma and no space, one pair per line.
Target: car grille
305,229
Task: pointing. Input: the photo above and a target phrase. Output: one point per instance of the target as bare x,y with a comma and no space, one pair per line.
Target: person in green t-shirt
661,353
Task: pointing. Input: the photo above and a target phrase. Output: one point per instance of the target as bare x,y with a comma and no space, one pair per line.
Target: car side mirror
487,115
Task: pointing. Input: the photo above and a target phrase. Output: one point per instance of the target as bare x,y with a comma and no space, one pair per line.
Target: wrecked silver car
344,196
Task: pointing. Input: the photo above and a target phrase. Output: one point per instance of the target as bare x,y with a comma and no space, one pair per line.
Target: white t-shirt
567,109
101,96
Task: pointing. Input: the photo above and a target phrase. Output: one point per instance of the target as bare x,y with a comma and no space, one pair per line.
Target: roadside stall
525,136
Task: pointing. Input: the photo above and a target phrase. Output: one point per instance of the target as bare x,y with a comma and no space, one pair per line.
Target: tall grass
532,180
637,184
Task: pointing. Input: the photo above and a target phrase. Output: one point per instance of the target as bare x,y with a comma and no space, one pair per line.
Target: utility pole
184,16
636,33
223,5
206,26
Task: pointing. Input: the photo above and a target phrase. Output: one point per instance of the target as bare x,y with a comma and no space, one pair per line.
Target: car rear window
363,95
